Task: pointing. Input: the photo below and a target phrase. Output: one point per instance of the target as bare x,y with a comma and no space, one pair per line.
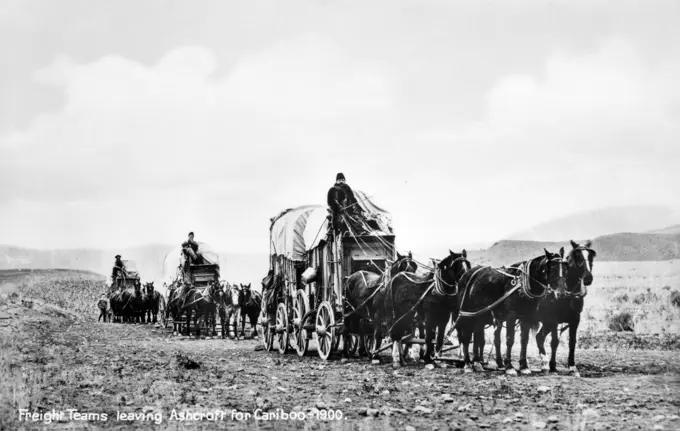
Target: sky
132,122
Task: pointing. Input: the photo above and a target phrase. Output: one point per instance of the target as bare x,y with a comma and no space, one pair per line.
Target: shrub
621,298
621,322
675,298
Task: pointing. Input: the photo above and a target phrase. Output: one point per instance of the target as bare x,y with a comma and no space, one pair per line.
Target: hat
191,233
339,177
117,256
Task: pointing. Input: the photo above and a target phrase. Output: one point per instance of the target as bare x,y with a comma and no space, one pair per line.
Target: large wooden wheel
300,335
325,330
282,329
266,330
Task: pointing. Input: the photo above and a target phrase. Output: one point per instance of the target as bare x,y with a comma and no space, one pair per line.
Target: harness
435,286
518,282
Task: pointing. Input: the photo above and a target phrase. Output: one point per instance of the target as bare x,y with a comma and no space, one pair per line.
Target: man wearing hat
190,249
341,201
118,268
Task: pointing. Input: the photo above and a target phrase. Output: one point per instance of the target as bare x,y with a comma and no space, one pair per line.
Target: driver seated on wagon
118,268
191,251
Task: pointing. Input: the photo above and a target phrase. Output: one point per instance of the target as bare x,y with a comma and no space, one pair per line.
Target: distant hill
595,223
235,267
615,247
667,230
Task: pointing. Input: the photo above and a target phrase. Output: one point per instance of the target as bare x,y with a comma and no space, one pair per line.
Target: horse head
452,267
580,261
553,272
403,264
235,293
149,289
245,298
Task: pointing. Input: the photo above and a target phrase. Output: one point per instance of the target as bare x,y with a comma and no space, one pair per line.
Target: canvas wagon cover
175,260
298,230
131,268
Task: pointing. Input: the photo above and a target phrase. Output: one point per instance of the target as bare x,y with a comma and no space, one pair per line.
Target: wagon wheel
266,330
326,339
282,329
300,335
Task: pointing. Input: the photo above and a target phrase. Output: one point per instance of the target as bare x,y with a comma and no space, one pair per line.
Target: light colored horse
233,310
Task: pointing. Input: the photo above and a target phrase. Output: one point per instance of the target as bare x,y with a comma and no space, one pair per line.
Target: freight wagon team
337,283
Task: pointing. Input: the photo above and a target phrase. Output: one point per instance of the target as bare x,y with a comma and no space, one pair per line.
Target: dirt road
55,362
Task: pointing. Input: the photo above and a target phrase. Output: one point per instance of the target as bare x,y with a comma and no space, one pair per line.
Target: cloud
144,153
130,133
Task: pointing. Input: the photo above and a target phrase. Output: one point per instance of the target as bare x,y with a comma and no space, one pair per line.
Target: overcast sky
129,122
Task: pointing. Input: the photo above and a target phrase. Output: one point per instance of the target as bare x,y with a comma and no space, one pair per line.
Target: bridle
439,280
583,290
527,278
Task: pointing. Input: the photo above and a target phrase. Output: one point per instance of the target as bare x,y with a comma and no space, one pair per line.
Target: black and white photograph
340,215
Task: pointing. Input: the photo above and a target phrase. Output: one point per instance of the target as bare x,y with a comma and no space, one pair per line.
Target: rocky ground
55,360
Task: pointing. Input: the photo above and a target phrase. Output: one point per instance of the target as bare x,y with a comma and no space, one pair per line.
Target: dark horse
397,303
360,289
174,307
250,305
553,311
507,295
152,301
202,304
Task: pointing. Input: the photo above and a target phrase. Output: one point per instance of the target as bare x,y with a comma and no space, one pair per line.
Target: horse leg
377,341
554,342
441,332
213,317
430,328
497,344
465,331
478,348
571,363
524,340
243,322
509,341
396,350
101,313
253,323
540,340
188,322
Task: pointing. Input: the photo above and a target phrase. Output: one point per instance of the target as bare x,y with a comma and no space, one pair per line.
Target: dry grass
68,294
645,290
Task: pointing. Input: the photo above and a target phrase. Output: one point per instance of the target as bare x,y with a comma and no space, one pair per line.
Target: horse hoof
478,367
468,369
510,372
525,371
375,362
574,372
396,365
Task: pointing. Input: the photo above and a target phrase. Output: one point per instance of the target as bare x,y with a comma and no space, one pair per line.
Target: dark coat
341,196
190,243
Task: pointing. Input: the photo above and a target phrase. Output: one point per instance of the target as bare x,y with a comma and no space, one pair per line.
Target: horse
152,301
250,305
174,307
137,304
201,304
229,308
553,311
397,303
360,289
438,307
506,295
